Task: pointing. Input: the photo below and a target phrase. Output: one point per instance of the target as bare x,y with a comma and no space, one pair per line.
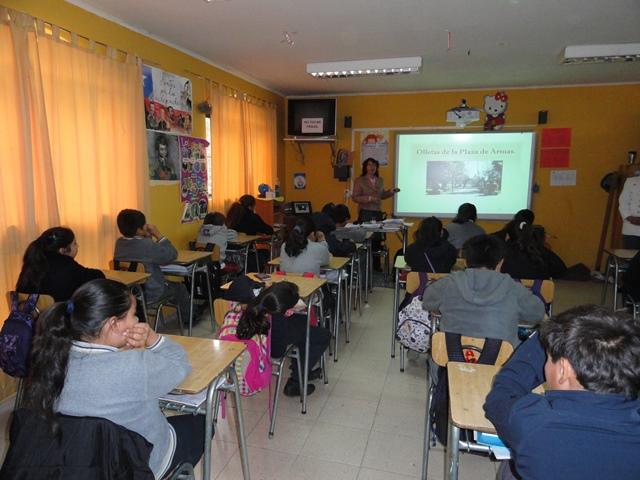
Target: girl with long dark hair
242,217
526,255
304,250
430,252
463,226
48,265
91,357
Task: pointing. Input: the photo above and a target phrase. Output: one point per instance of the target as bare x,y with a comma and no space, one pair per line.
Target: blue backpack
16,335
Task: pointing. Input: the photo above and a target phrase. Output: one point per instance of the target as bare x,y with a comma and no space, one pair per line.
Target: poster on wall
167,101
163,153
375,145
299,181
193,178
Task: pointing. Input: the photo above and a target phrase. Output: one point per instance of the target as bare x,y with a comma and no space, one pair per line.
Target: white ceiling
496,43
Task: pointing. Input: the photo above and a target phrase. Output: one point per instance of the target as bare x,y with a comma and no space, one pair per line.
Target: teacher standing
368,193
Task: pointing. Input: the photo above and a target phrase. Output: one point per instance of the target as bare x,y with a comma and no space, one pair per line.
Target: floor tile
263,464
393,453
337,444
369,474
289,436
307,468
349,412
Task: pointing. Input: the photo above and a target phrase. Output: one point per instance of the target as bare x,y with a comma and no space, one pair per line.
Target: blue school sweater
568,435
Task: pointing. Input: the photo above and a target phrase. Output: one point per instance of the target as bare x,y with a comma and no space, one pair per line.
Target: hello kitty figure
495,106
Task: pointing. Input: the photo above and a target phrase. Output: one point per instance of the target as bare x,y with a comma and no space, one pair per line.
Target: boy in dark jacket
587,424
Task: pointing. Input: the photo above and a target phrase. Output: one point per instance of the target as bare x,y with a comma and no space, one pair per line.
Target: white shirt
629,205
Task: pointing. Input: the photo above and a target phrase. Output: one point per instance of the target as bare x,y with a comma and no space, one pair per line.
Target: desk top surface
335,263
209,358
128,278
623,253
243,238
187,257
469,384
306,286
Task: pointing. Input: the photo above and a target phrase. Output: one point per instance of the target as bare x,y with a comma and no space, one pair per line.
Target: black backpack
16,335
439,412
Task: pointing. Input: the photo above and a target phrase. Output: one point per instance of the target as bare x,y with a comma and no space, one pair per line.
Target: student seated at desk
463,226
524,215
276,307
480,301
214,231
92,358
305,249
48,266
587,424
242,217
526,255
141,242
430,252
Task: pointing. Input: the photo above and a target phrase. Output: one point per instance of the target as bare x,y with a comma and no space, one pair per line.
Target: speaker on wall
542,117
347,122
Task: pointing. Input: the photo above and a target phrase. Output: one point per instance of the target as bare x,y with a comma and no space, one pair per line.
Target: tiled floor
366,424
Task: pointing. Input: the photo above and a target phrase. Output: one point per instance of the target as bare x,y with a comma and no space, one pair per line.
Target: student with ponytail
91,357
48,266
305,250
275,308
526,256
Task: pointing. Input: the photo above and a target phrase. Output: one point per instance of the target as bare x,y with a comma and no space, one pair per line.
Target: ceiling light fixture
612,53
355,68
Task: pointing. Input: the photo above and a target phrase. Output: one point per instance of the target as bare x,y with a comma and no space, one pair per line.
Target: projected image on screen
478,178
437,172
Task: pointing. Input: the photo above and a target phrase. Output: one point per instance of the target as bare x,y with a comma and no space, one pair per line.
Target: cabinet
270,210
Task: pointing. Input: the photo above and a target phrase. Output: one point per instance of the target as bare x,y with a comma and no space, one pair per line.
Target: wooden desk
128,278
210,361
469,385
617,260
335,263
189,257
243,238
194,261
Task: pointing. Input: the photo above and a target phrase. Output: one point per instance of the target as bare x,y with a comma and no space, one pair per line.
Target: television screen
311,117
439,171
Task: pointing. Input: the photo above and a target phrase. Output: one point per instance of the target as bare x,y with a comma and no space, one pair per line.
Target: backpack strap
29,304
490,351
454,347
14,300
424,281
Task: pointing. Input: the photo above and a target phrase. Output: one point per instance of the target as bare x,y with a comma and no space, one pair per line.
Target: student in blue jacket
587,424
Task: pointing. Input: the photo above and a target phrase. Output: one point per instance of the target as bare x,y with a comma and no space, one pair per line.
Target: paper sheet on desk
190,399
176,269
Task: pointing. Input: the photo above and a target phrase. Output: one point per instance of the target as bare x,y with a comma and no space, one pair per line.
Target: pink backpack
253,368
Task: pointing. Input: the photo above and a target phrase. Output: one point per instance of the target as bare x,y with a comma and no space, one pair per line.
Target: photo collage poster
193,178
375,145
167,101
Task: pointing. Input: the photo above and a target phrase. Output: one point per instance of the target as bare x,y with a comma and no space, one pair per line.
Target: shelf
300,141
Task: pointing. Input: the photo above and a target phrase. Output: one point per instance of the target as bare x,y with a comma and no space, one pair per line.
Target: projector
463,115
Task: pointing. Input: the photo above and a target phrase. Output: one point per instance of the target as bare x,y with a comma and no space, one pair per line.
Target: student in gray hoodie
214,231
480,301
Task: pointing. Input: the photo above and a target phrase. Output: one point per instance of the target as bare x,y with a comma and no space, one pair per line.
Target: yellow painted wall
166,208
165,203
605,123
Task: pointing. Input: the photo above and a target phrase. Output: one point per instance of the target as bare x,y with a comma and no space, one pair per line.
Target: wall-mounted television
311,117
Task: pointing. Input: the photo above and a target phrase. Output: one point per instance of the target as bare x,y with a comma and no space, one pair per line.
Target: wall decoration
554,158
562,178
375,145
495,107
555,148
193,178
556,138
164,157
300,181
167,101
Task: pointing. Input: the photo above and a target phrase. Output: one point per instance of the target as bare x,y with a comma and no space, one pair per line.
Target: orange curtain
72,143
243,134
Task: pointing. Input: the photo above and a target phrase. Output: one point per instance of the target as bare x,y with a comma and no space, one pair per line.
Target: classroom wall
166,208
605,123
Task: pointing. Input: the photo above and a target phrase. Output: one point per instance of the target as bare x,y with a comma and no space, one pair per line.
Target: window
207,123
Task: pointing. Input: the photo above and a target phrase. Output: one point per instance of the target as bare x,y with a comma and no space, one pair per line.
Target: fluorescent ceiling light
353,68
620,52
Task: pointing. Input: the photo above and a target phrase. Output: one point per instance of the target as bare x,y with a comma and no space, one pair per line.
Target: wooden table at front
469,384
308,290
194,261
616,260
210,361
